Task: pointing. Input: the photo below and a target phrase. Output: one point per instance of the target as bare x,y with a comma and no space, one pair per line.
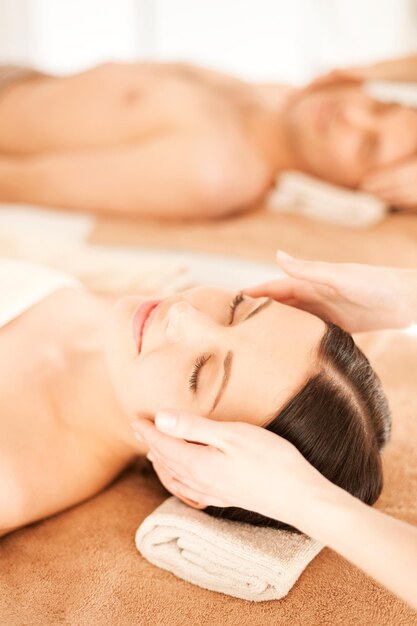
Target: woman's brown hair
339,421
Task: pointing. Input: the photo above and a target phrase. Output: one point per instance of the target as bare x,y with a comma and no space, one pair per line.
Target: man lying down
84,366
175,140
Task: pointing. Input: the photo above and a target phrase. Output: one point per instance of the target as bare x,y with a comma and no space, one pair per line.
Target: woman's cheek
160,387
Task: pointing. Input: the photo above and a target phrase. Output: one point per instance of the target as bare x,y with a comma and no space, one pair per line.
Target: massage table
81,567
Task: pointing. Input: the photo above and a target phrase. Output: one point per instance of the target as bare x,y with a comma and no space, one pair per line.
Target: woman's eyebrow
227,368
227,363
259,308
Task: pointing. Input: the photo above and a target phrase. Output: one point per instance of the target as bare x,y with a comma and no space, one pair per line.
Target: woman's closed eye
202,359
233,306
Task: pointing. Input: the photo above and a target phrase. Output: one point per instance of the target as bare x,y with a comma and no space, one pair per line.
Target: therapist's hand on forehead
356,297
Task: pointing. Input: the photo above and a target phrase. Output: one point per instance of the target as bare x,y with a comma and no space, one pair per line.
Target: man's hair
339,421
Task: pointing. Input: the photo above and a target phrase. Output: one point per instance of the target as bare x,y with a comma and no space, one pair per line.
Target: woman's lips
142,318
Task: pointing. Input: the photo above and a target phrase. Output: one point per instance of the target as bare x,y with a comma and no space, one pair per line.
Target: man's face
340,134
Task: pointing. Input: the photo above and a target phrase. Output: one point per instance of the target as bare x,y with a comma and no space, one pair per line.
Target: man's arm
170,176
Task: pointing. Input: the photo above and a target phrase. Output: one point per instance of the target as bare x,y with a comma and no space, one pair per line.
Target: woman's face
341,134
211,352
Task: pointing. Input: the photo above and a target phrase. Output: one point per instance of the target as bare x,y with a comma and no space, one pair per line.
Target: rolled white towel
241,560
305,195
392,91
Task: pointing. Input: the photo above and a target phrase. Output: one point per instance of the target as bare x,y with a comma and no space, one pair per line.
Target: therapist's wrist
319,510
332,512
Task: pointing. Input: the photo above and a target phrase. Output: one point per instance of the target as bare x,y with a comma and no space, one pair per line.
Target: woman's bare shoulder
47,472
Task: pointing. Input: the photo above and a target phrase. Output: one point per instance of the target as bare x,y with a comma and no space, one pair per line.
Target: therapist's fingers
168,466
148,431
318,272
176,446
168,477
184,488
310,297
165,476
175,454
303,276
202,499
337,77
193,428
328,274
296,293
282,290
178,488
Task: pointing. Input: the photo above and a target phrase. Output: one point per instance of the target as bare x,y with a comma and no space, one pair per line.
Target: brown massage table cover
81,567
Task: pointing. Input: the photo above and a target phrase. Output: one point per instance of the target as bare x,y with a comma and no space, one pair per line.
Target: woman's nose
187,324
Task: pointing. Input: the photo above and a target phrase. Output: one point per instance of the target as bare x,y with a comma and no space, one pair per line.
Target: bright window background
289,40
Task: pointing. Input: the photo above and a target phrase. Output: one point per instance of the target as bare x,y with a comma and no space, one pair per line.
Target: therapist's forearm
382,546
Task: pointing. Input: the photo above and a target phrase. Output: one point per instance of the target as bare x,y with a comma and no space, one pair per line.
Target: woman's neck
81,390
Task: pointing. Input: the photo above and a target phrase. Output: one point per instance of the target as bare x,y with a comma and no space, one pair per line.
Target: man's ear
194,505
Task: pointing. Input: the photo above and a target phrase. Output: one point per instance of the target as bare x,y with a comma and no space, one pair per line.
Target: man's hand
356,297
396,185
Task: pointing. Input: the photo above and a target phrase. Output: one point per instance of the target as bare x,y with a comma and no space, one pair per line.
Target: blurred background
262,40
288,41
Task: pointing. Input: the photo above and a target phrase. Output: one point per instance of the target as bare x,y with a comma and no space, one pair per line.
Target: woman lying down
77,368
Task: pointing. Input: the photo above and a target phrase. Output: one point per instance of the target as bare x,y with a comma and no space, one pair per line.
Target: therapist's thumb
193,428
313,271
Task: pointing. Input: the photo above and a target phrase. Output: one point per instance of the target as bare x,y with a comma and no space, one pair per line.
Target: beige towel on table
60,241
241,560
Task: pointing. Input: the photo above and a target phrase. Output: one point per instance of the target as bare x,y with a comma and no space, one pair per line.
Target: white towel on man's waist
241,560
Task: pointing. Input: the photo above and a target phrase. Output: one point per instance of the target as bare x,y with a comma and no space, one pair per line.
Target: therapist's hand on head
239,464
356,297
353,76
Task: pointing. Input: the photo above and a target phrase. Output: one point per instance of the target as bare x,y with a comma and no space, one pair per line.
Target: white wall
16,28
68,35
288,40
242,36
284,40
